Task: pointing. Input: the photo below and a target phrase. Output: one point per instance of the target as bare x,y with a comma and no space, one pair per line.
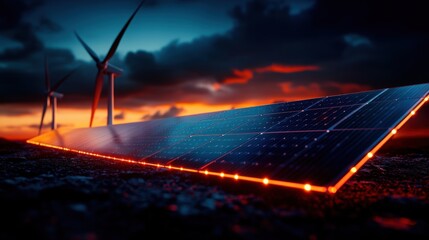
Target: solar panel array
315,141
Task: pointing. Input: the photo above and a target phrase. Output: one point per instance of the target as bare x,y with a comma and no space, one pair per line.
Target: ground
51,194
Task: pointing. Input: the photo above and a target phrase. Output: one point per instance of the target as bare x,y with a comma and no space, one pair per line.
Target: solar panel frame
205,142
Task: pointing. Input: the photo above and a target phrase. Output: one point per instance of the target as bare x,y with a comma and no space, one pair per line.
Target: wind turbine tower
51,96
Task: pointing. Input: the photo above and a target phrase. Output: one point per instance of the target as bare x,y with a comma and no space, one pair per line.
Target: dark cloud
23,81
264,33
25,36
172,112
47,25
366,43
12,12
14,27
329,35
376,18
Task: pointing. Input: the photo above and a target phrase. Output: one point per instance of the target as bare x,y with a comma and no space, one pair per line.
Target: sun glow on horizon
25,125
21,121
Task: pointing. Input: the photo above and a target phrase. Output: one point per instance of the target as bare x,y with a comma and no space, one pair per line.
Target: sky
182,57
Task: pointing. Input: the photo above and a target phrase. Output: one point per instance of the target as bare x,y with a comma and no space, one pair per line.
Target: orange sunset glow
24,126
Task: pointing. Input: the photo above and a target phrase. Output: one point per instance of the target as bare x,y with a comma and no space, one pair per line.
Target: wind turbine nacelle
113,69
56,95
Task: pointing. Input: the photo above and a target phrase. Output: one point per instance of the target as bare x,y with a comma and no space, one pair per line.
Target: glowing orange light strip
371,153
265,181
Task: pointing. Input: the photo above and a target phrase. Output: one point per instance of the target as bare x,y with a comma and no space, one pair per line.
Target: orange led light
266,181
332,189
236,176
413,112
206,172
370,155
394,131
426,99
307,187
222,174
353,170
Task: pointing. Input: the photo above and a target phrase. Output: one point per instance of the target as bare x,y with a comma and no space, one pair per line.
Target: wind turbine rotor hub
57,95
102,66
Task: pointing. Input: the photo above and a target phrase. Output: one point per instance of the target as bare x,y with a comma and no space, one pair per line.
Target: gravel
50,194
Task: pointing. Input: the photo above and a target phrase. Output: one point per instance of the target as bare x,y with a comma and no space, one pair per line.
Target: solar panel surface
315,142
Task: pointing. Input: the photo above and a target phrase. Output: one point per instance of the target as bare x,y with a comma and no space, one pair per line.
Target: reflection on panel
347,99
378,114
263,154
214,149
404,93
181,148
331,154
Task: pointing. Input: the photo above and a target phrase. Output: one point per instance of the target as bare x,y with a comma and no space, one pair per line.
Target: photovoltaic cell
203,155
317,142
264,154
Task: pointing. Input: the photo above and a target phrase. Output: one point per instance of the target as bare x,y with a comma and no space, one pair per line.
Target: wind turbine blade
87,48
56,86
97,94
45,105
115,44
47,78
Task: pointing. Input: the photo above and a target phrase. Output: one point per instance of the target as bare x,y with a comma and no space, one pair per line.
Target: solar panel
314,144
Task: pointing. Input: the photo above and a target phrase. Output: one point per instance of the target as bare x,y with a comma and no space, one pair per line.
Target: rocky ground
51,194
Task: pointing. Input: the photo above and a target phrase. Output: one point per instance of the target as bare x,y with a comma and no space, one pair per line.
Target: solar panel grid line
314,119
362,161
382,136
147,158
164,149
142,152
220,143
264,152
214,160
288,109
280,112
325,132
206,165
357,109
173,159
368,116
236,124
298,156
397,125
328,163
293,115
303,171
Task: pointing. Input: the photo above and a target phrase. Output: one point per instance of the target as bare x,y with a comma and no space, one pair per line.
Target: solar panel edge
395,126
376,146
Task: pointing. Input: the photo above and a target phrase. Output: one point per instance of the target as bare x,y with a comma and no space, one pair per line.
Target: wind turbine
51,96
105,68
